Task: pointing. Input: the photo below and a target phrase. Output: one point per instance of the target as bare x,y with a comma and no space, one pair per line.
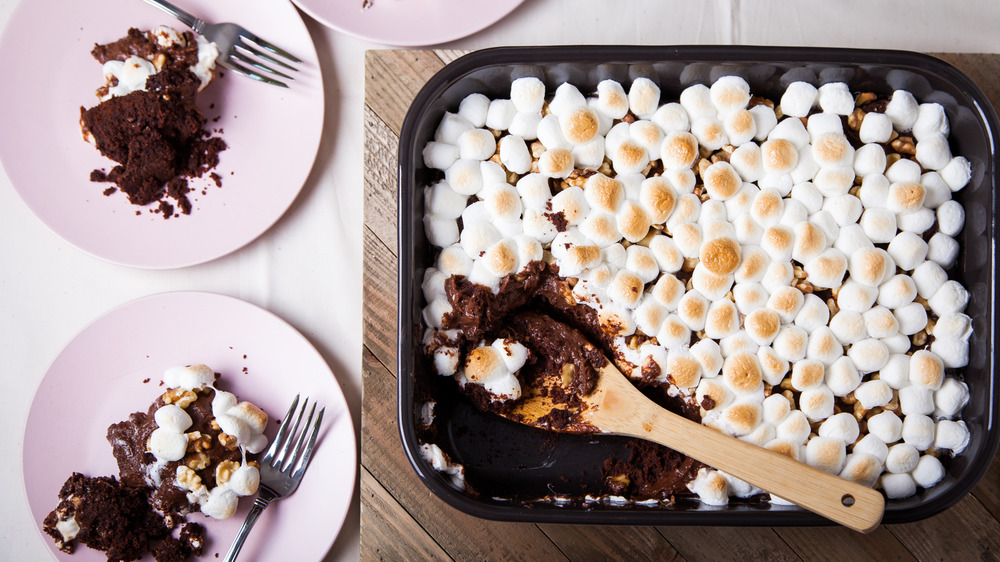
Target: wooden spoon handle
853,505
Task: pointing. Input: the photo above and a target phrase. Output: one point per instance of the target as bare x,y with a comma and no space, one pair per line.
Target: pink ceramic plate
408,23
48,74
113,368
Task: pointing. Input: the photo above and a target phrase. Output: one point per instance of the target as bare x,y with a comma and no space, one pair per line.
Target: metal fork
282,467
235,49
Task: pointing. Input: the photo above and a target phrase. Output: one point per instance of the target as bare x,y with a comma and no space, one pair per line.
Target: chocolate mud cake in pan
791,247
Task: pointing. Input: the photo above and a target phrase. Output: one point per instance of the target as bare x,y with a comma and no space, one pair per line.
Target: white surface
307,268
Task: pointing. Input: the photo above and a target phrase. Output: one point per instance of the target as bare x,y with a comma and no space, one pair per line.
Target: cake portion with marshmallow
780,267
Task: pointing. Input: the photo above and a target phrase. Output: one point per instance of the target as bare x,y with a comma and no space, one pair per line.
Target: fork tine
290,461
269,46
258,53
303,462
240,69
279,460
247,60
282,431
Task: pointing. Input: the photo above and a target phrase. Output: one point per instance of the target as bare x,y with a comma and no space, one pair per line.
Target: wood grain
402,520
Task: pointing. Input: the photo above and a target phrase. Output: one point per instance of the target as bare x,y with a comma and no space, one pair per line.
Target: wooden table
402,520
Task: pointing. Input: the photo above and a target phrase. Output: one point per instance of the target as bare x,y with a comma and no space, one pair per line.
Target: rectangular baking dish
512,466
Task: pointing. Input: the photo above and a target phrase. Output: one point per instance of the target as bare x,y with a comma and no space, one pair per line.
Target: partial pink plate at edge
113,368
273,133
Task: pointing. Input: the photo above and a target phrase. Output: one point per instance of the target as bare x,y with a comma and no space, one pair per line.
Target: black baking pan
516,470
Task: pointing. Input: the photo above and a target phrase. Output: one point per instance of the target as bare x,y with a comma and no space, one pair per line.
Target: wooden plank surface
402,520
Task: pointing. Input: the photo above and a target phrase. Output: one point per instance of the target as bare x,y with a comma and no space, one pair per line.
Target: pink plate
113,368
408,23
273,133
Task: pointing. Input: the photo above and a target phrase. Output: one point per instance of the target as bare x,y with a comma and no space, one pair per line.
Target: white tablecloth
49,290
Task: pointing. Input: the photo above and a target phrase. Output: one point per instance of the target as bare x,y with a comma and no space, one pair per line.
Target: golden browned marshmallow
741,371
615,321
766,207
762,325
721,180
752,265
679,150
657,198
926,369
741,418
772,367
625,288
633,221
579,258
807,373
674,332
709,284
785,447
693,310
827,270
501,258
826,454
722,320
778,241
867,266
779,156
668,291
603,193
786,301
683,369
556,163
832,149
483,363
580,125
863,469
905,197
629,157
721,256
711,395
810,241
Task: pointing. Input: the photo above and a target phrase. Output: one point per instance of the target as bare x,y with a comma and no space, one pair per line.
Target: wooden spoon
617,407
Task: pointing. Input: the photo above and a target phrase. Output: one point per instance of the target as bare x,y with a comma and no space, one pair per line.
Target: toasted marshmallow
722,319
827,270
697,101
861,468
798,99
905,197
950,298
809,242
869,160
688,238
566,97
778,241
527,94
867,267
879,225
729,94
886,426
667,254
775,408
572,203
778,274
556,163
748,162
778,156
501,259
918,431
679,150
710,132
762,325
824,346
683,369
739,342
671,117
957,173
716,393
632,221
951,435
942,249
928,472
649,316
842,377
749,297
868,355
842,427
950,398
902,110
439,155
741,417
477,237
813,314
931,120
911,318
502,201
740,127
902,458
713,286
791,343
753,265
709,356
772,367
486,366
880,322
926,369
916,399
826,454
668,291
897,486
832,149
953,327
720,256
578,259
807,374
612,100
454,261
692,309
741,373
793,429
643,97
500,114
589,155
848,326
711,487
465,176
538,226
832,181
674,332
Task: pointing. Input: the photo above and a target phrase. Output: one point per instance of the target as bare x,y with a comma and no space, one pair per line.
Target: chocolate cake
148,120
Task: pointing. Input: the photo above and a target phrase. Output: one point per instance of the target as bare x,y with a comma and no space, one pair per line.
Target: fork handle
186,18
264,498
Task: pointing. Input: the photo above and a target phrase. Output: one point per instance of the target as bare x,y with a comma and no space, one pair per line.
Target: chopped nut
634,342
854,119
703,165
188,479
832,305
849,399
227,441
537,149
891,159
860,412
919,338
225,471
180,397
789,395
805,287
904,145
568,370
605,168
863,98
196,461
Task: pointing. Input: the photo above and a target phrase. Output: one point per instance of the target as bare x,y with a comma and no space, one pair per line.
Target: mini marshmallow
697,101
440,231
778,156
820,123
549,133
465,176
905,197
474,108
916,399
765,120
880,322
710,133
807,374
439,155
827,270
527,94
794,428
611,100
500,114
442,201
775,408
476,144
649,316
167,445
823,220
912,318
740,127
928,472
928,278
572,203
957,173
902,458
729,94
903,170
902,110
692,309
798,99
711,487
950,298
956,326
600,228
869,160
688,237
791,343
668,291
722,319
842,377
589,155
766,207
786,302
832,181
806,169
556,163
950,218
686,209
845,209
886,426
566,97
897,486
875,128
917,221
908,250
778,274
446,360
862,468
951,435
749,297
835,97
933,152
709,356
514,154
832,149
931,120
898,291
950,398
739,342
668,256
683,369
641,260
741,417
671,117
879,225
813,314
433,312
674,332
918,431
741,373
538,226
897,343
778,241
451,127
501,259
936,190
856,297
873,393
643,97
502,201
926,369
826,454
713,286
843,427
747,160
807,194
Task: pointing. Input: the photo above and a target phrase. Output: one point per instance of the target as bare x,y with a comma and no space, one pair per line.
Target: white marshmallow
874,191
869,160
917,221
879,225
729,94
446,360
697,101
794,428
842,427
451,127
666,253
611,99
590,154
911,318
875,128
807,194
671,117
439,155
538,226
798,99
950,298
549,133
813,314
897,343
791,343
832,181
908,250
918,431
950,398
896,372
465,176
827,270
710,132
649,316
566,97
846,209
778,241
933,152
826,454
928,472
902,458
765,120
897,486
953,353
936,190
740,127
957,173
514,154
902,109
898,291
842,377
835,97
474,108
749,297
711,487
740,342
476,144
643,97
952,435
956,326
821,123
880,323
442,201
928,278
440,231
525,125
500,114
931,120
709,355
692,309
527,94
855,297
950,218
873,393
915,399
167,445
886,426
